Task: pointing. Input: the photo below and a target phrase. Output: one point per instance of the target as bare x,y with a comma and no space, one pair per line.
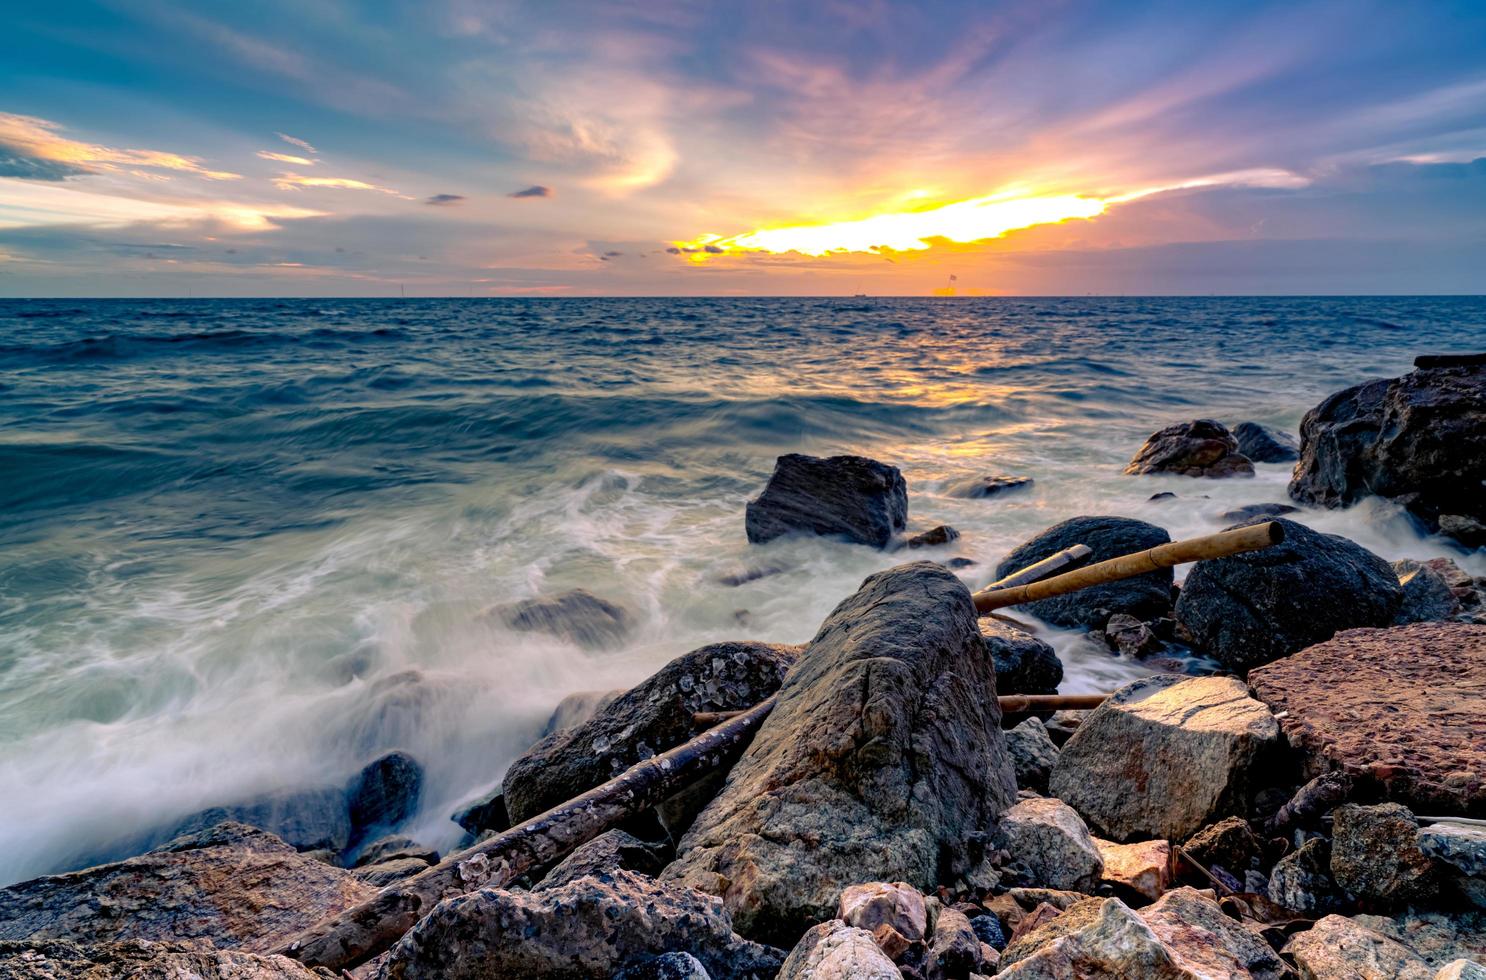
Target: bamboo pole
1220,545
1011,704
1042,569
356,935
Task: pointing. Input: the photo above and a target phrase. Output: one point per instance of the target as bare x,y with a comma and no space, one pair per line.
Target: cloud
34,204
293,181
22,167
296,141
287,158
535,190
443,200
30,143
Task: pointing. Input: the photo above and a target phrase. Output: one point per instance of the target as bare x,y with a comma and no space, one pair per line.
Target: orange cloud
40,139
287,158
293,181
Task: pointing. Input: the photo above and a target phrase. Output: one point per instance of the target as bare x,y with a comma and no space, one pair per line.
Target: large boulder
588,929
385,793
1207,941
309,819
1419,439
1201,447
650,718
836,951
231,884
853,497
1265,445
613,850
1338,948
1146,596
1164,756
882,757
1248,609
1398,710
136,959
1375,854
1024,664
577,616
1050,845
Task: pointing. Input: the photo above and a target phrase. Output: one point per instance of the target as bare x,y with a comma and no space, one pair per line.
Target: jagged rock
884,752
1141,869
1419,439
1463,528
613,850
894,913
1050,843
577,616
1438,937
1201,447
1337,948
1461,846
588,928
934,537
1249,609
1251,511
1229,844
1414,746
1024,664
854,497
1427,596
667,966
977,487
1164,756
310,819
646,720
385,793
384,873
835,951
1461,970
1206,941
1262,444
954,952
1130,636
231,884
394,847
1375,854
988,929
140,960
1033,753
1146,596
577,708
1301,880
487,812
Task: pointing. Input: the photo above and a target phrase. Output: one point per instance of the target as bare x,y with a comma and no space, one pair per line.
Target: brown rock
836,951
934,537
136,959
894,913
1201,447
1048,842
1375,854
1142,869
1206,941
1338,948
1230,844
954,952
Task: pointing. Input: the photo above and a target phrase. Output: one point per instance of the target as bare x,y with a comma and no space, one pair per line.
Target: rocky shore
1298,789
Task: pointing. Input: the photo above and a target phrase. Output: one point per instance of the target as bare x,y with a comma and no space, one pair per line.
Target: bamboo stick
357,934
1042,569
1010,704
1220,545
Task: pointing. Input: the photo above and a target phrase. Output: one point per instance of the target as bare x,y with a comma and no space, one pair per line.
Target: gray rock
577,708
486,812
893,912
853,497
954,952
1427,595
1249,609
1438,937
1265,445
1164,756
835,951
310,820
1024,664
1461,970
384,873
139,960
1144,597
1033,753
578,616
1201,447
613,850
1301,880
1461,846
884,752
1338,948
979,487
667,966
1050,844
393,847
1130,636
385,793
1251,511
934,537
1375,854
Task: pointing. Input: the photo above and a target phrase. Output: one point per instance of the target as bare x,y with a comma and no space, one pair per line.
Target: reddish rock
1201,447
1142,869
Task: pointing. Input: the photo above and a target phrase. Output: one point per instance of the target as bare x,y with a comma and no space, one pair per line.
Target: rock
1033,753
1415,745
1438,937
384,873
1130,636
977,487
1062,725
1144,597
392,847
1461,970
1375,854
988,930
893,913
1142,869
959,561
954,952
1301,880
667,966
1262,444
1419,439
1049,842
1164,756
591,927
485,813
385,793
1229,844
613,850
1201,447
1427,595
853,497
309,819
1163,495
231,884
1460,846
1206,942
1024,664
577,616
139,960
654,716
884,752
1463,528
577,708
1249,609
934,537
1059,898
835,951
1251,511
1337,948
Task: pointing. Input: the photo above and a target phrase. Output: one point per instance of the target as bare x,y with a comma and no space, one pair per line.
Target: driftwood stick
1220,545
1011,704
357,934
1055,562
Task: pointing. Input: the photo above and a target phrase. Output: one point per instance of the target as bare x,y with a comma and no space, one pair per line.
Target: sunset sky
455,147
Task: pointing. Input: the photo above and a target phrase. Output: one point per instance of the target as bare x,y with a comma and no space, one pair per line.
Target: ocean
247,544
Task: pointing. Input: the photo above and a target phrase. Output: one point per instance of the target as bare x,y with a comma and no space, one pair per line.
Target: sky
464,148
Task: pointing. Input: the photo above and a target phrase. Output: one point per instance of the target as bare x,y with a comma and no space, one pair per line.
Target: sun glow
963,222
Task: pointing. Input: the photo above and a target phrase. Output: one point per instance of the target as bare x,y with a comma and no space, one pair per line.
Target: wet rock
1229,844
231,884
385,793
384,873
392,847
954,952
853,497
1464,528
934,537
1419,439
749,573
1375,854
1024,664
646,720
977,487
1130,636
487,812
1050,844
1033,754
894,913
1201,447
1262,444
1141,870
1301,880
577,616
139,960
1144,597
1251,511
1427,595
1162,757
1163,495
667,966
591,927
1414,745
577,708
1206,942
959,561
1249,609
884,752
835,951
310,820
613,850
1338,948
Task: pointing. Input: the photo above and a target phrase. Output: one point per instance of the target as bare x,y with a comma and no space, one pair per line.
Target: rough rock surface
1461,846
577,616
1050,844
893,912
139,960
1421,745
384,873
667,966
1229,844
576,708
1427,595
933,537
851,496
1438,937
1246,610
232,884
883,755
644,721
1338,948
310,820
1301,880
1375,854
1164,756
1265,445
1206,941
610,851
835,951
1024,664
385,793
1033,753
1130,637
589,928
484,813
1144,597
1201,447
1461,970
1142,869
954,951
977,487
1096,939
1420,439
